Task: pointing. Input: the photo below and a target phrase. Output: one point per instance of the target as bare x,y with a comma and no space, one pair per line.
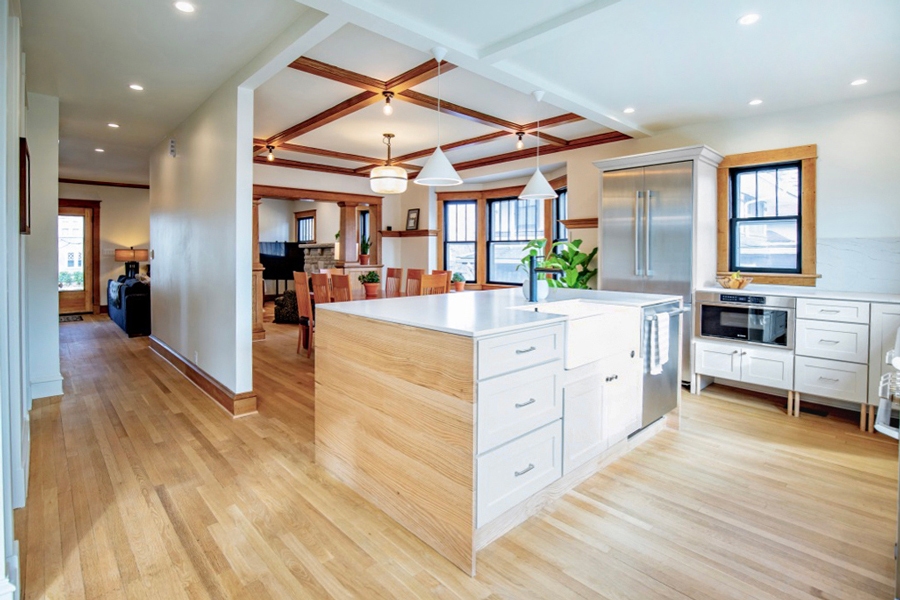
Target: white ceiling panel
571,131
367,53
291,97
492,148
414,126
313,158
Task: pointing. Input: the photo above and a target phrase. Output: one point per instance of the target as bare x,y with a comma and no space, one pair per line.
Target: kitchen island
460,415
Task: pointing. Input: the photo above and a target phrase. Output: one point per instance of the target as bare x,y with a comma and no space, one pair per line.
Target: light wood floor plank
142,487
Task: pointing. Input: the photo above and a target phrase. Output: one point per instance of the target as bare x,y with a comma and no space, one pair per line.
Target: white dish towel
659,343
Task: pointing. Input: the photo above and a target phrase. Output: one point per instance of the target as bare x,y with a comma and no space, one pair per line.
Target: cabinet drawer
833,310
837,341
508,353
514,472
831,379
514,404
717,360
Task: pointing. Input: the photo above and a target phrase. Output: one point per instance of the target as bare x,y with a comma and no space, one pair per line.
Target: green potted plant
364,245
372,282
459,282
574,264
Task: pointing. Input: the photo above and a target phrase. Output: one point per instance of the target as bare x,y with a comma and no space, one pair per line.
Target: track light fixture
271,150
388,109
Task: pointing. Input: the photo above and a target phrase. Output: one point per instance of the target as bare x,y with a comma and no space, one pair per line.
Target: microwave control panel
738,299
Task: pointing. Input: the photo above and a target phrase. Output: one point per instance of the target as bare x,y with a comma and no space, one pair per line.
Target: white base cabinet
771,367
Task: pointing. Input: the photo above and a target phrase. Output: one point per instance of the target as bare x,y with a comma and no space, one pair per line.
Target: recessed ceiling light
99,150
136,87
749,19
113,125
628,110
186,7
755,102
859,82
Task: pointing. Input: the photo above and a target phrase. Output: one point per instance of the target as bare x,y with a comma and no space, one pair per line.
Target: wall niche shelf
588,223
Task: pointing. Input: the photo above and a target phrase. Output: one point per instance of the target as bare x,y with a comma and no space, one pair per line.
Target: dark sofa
129,305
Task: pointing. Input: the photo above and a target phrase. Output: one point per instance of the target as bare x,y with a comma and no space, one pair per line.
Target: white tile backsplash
859,264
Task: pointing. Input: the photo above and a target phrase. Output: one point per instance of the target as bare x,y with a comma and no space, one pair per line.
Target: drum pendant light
388,179
538,188
438,171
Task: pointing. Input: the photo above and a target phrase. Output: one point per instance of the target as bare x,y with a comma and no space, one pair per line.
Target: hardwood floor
142,487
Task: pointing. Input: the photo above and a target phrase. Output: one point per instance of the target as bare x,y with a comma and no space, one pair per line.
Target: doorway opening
78,258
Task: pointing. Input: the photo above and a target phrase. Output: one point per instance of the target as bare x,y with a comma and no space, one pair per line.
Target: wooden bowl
734,284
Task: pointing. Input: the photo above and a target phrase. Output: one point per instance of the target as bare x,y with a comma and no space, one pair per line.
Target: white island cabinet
457,415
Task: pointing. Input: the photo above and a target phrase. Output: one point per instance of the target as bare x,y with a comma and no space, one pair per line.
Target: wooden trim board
137,186
585,223
409,233
237,405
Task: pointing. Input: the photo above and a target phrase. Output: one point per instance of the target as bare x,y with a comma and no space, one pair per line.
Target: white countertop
481,313
806,292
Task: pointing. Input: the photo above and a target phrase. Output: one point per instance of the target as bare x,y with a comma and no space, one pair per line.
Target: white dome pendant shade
538,188
388,179
437,170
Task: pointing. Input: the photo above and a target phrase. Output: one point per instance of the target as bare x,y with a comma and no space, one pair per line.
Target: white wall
275,220
42,131
124,223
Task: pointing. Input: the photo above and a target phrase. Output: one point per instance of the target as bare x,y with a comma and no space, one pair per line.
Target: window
79,259
364,225
767,215
460,225
765,219
560,210
70,259
512,223
306,226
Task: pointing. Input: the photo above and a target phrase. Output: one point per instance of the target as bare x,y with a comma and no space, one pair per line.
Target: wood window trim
807,156
481,198
305,214
94,205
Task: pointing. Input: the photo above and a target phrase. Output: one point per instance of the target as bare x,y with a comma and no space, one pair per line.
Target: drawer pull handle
823,378
829,311
611,378
829,342
525,470
524,404
526,350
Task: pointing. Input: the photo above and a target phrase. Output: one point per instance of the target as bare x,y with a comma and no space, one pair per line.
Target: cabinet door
772,368
718,360
583,435
885,322
621,398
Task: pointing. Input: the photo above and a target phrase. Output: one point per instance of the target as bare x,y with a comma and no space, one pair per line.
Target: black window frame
364,221
447,243
560,231
735,221
312,220
539,223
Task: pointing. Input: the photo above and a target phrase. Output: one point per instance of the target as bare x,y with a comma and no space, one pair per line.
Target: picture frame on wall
24,188
412,219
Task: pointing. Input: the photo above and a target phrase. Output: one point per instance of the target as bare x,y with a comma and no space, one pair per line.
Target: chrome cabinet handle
526,351
823,378
638,196
647,267
829,342
525,470
524,404
736,352
611,378
829,311
743,354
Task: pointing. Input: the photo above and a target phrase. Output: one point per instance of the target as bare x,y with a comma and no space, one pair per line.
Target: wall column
259,331
348,254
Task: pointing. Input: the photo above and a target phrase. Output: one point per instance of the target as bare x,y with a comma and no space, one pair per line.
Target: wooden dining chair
393,282
340,287
436,283
321,288
304,311
414,281
447,274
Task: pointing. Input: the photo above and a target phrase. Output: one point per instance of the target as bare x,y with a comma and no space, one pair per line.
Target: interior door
621,220
75,260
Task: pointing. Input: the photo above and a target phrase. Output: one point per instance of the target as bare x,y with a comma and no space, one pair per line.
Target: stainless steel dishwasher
662,391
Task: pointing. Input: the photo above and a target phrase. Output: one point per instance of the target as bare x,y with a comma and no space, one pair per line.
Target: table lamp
131,257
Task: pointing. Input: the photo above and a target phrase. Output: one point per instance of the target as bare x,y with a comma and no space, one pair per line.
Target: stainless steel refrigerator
646,224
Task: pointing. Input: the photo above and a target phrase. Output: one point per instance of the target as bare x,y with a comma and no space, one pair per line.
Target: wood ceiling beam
371,163
321,69
467,142
553,121
456,110
549,138
347,107
306,166
289,193
416,75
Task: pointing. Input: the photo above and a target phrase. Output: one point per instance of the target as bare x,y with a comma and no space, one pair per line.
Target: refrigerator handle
638,196
648,271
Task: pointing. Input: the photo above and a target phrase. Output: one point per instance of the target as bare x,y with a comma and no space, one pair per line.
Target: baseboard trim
47,388
237,405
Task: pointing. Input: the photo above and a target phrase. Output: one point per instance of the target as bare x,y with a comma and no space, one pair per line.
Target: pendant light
388,179
538,188
438,171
